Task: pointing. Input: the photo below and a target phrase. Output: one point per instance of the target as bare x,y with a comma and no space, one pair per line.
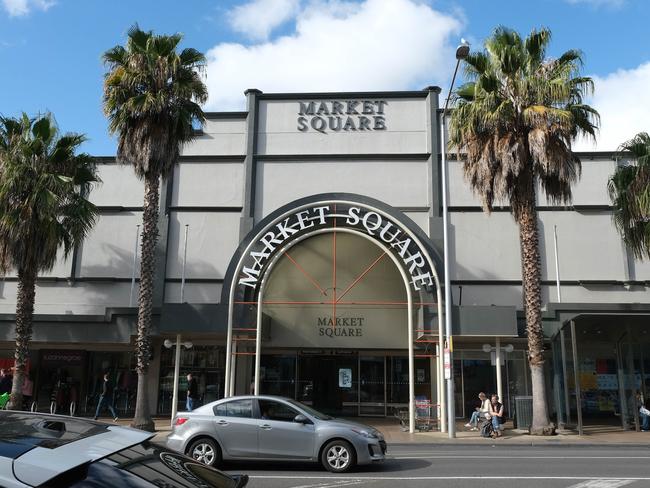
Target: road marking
334,484
602,484
435,478
482,456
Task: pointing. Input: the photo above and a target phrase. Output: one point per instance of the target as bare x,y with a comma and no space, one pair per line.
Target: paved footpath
488,466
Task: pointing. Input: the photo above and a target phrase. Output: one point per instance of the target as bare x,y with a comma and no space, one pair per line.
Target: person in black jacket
6,381
192,392
106,398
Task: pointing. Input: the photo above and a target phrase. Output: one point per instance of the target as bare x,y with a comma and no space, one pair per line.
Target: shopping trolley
425,416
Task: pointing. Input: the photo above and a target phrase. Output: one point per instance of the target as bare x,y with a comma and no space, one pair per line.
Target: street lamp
462,51
177,364
498,349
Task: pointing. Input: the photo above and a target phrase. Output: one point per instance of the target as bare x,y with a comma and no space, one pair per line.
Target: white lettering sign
371,222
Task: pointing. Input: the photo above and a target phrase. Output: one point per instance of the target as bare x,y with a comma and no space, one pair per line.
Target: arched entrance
325,298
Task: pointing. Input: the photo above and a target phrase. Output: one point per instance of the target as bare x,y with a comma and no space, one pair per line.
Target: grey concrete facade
245,165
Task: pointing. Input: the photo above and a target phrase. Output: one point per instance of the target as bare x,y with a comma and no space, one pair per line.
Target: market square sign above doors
387,231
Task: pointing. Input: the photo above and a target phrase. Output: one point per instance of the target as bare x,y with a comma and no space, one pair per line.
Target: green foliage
43,187
629,189
517,116
152,97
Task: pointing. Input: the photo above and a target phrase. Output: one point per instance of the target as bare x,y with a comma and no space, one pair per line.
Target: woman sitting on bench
480,411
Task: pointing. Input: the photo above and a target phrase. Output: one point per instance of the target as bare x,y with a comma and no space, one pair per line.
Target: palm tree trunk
24,317
142,419
531,277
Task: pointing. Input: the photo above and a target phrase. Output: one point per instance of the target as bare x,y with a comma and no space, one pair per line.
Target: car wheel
205,451
338,456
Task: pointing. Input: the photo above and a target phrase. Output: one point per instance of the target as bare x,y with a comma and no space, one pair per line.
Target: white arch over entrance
229,372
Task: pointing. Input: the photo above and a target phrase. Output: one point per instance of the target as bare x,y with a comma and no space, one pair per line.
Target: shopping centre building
300,253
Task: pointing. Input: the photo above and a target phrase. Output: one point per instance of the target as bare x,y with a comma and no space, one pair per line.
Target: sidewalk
593,436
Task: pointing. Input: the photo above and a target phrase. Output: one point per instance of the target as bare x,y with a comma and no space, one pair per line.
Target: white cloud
18,8
600,3
256,19
623,100
339,46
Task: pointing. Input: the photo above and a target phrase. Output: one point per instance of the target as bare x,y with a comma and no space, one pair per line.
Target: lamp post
462,51
498,349
177,364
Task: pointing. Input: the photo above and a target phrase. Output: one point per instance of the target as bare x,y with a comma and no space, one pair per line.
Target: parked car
56,451
273,428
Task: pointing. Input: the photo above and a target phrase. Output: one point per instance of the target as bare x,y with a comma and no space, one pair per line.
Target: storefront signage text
341,326
351,115
372,223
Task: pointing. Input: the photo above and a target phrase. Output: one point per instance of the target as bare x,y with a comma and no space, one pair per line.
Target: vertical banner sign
447,361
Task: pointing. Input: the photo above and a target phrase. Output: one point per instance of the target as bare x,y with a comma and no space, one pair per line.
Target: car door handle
222,422
265,427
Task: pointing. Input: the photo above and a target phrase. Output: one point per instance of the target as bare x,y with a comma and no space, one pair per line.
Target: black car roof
22,431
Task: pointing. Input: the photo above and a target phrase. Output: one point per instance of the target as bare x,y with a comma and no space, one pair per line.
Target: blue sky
50,50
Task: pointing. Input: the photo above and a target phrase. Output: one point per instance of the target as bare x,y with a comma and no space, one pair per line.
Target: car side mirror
301,419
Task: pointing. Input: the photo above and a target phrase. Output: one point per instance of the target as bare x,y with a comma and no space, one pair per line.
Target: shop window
206,363
278,375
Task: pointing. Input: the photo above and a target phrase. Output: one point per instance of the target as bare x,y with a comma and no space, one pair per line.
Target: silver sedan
273,428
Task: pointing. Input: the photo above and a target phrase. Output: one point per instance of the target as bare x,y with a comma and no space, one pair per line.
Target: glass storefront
475,372
205,362
601,372
122,373
345,383
69,380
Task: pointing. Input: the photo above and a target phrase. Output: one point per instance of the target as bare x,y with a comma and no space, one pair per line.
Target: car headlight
365,433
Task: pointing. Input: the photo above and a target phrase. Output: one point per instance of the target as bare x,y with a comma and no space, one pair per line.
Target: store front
338,273
204,361
346,382
601,370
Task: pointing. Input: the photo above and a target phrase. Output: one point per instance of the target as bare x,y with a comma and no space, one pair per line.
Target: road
489,466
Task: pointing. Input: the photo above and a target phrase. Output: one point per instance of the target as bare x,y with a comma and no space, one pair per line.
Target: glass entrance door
329,383
372,381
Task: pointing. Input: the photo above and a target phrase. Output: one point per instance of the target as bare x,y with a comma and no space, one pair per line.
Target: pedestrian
480,411
106,398
5,381
28,391
192,392
496,414
644,413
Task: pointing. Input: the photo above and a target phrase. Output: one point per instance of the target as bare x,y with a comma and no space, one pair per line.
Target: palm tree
516,119
151,98
629,189
44,183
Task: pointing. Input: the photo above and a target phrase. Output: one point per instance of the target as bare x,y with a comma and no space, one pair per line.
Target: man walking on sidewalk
106,398
192,392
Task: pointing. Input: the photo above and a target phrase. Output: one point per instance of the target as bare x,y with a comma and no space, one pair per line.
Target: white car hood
41,464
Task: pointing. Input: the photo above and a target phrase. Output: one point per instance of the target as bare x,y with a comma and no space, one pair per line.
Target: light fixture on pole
177,364
496,360
462,51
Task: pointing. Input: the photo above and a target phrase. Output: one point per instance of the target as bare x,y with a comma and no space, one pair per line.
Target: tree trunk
24,317
142,419
531,278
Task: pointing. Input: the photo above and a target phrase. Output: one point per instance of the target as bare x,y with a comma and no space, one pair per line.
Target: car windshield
314,413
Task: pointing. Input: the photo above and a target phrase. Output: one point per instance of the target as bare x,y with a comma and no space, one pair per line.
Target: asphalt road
489,466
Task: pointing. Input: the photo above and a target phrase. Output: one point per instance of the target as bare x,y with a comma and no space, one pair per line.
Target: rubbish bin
523,411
